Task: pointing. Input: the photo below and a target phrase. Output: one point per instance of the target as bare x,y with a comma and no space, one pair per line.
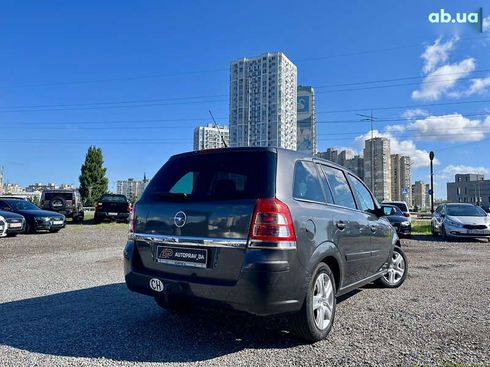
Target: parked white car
3,227
456,220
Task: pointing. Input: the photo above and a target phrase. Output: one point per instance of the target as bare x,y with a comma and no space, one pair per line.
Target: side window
365,199
185,184
4,206
306,183
342,194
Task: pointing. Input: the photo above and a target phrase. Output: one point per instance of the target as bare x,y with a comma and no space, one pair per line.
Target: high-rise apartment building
345,158
131,188
263,101
306,128
401,175
211,137
377,167
419,195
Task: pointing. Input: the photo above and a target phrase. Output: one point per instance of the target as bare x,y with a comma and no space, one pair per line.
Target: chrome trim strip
280,245
191,241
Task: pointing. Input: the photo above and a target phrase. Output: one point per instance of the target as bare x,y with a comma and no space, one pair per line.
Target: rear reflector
272,226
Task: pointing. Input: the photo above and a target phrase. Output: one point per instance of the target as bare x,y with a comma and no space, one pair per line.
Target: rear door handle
340,225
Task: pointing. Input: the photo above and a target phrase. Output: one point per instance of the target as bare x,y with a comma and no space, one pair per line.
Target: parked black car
262,230
398,219
112,207
35,219
67,202
15,222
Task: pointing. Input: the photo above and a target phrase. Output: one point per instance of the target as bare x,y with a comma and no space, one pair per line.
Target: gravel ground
63,303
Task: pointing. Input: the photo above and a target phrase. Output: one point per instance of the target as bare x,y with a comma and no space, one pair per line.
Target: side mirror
379,212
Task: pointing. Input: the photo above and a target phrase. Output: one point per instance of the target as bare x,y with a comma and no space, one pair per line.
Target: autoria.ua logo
442,16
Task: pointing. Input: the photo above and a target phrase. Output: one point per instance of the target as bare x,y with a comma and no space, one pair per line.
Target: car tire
12,234
308,324
54,230
432,229
28,229
397,273
172,304
443,234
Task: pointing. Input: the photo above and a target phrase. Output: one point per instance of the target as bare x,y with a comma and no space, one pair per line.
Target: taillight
129,207
98,204
272,226
406,215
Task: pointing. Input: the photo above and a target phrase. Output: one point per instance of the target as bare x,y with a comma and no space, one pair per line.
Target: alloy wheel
396,270
323,301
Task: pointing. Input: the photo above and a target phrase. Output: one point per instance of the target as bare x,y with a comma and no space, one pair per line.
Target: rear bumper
263,288
106,215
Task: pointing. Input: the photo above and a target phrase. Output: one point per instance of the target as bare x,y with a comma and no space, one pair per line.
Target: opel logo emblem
180,219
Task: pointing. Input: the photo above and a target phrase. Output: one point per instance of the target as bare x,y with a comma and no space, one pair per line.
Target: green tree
93,180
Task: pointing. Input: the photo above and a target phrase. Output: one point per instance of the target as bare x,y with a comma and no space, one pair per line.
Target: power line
149,102
193,72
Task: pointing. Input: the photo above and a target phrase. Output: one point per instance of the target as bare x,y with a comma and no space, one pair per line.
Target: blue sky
135,78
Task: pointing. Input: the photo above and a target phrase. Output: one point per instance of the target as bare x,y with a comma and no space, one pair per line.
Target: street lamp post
431,157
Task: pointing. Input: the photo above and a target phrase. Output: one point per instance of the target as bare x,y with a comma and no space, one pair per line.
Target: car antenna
219,131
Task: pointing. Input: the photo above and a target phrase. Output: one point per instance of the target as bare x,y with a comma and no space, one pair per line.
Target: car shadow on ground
111,322
435,238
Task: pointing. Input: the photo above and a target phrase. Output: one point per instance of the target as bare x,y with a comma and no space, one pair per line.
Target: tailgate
209,243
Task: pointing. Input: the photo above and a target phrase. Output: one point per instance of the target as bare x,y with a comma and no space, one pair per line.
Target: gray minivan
262,230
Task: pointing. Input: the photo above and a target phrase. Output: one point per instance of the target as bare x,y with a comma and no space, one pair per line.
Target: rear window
65,195
209,176
113,198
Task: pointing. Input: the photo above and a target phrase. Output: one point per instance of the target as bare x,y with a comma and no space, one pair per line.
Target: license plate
477,231
15,225
112,214
57,222
193,257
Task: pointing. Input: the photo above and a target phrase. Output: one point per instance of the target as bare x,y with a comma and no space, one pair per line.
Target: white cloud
449,171
478,86
486,24
453,127
436,54
419,158
413,113
442,80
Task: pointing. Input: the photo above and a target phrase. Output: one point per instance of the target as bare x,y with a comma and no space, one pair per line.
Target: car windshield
113,198
392,210
402,206
22,205
465,211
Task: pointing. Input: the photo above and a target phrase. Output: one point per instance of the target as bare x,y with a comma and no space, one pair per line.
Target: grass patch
421,227
89,220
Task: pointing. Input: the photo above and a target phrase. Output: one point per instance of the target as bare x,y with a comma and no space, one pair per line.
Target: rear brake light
272,225
129,207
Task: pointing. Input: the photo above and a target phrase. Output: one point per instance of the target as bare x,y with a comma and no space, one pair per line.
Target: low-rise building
469,188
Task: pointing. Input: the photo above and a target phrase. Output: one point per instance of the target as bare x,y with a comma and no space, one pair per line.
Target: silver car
461,221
